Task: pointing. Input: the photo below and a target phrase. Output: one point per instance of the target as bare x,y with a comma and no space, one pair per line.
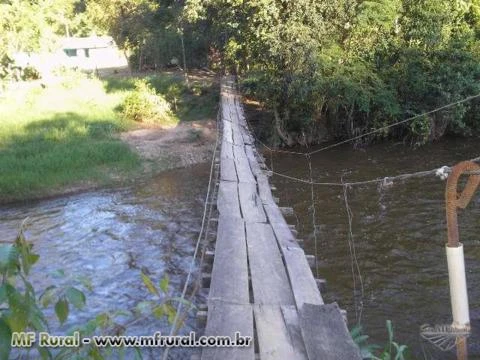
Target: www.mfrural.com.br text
44,339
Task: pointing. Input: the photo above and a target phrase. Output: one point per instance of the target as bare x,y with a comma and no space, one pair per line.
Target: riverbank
71,135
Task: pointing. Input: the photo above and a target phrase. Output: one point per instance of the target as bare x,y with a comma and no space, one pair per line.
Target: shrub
22,310
6,64
391,351
144,105
30,73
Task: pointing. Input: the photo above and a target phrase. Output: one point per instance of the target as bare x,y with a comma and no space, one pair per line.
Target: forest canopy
325,69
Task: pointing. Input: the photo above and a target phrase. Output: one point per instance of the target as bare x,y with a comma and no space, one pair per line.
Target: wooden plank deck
261,283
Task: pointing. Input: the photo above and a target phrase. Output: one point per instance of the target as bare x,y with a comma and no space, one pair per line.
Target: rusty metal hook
456,200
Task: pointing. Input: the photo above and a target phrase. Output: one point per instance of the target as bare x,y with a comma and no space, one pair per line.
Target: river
399,233
109,237
399,236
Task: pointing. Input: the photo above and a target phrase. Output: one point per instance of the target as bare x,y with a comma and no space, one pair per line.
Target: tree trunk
140,58
285,136
184,59
129,62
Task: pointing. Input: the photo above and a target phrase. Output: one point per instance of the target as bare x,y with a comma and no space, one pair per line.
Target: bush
30,73
144,105
6,64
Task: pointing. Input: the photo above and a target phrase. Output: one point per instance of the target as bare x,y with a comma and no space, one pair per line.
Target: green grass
67,133
59,136
197,102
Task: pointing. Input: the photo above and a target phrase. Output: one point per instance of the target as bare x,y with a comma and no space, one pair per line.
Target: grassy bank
65,135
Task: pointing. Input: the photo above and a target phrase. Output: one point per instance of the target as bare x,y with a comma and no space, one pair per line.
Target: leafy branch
21,310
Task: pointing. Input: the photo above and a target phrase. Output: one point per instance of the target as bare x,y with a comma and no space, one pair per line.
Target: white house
97,53
91,53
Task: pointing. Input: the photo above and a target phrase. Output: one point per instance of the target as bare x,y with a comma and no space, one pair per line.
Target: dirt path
186,144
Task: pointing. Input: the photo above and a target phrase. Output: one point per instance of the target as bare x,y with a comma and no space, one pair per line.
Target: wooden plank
225,110
264,190
253,161
231,114
225,320
230,103
250,203
243,167
269,279
227,132
241,116
226,151
247,137
280,227
230,267
284,235
243,171
292,322
237,134
274,341
227,170
274,214
240,112
325,333
303,283
227,200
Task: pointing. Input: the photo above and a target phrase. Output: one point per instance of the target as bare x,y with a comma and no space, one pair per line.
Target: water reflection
399,233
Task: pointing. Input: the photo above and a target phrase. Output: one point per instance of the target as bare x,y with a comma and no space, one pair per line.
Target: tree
34,26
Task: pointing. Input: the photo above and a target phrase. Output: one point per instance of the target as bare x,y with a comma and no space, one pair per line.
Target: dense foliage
324,69
343,68
144,105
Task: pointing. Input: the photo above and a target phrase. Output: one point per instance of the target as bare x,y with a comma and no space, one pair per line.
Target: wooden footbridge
261,282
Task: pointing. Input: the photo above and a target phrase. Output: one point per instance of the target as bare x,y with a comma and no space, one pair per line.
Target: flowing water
399,234
110,237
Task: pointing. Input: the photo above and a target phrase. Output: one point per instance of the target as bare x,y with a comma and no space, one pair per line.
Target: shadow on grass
116,84
62,151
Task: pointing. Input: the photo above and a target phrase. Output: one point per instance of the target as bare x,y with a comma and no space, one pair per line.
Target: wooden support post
322,285
311,260
287,211
344,314
201,319
293,230
206,279
209,255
